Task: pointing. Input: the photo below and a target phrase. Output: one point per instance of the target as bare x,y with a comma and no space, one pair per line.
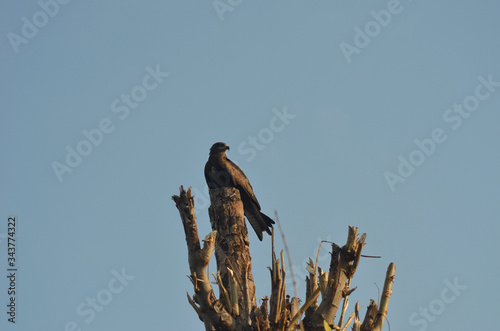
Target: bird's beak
227,147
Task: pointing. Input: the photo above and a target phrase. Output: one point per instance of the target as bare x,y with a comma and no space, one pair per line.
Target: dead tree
236,307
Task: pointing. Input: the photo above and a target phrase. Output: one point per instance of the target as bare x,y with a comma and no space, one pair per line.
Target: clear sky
378,114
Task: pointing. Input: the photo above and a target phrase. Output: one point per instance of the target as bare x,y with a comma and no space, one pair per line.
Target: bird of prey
222,172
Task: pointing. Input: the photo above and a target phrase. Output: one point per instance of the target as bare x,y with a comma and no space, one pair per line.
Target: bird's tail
259,221
268,221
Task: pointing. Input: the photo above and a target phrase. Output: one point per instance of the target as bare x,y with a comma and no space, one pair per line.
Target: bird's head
218,148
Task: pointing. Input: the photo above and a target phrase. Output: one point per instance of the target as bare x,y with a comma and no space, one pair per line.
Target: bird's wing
217,175
253,215
241,181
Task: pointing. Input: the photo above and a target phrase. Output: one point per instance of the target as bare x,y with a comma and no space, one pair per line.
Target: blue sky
378,114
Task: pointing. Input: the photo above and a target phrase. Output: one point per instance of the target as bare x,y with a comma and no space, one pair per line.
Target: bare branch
198,259
236,308
386,294
302,309
294,282
224,294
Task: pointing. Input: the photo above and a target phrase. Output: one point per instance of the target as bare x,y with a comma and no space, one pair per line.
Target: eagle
222,172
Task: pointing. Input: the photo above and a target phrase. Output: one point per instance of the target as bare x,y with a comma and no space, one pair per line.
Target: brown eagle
222,172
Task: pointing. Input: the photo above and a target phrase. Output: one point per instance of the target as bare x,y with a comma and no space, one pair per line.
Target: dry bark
232,252
210,310
236,308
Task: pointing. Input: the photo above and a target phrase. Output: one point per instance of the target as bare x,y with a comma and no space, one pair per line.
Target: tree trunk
232,252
